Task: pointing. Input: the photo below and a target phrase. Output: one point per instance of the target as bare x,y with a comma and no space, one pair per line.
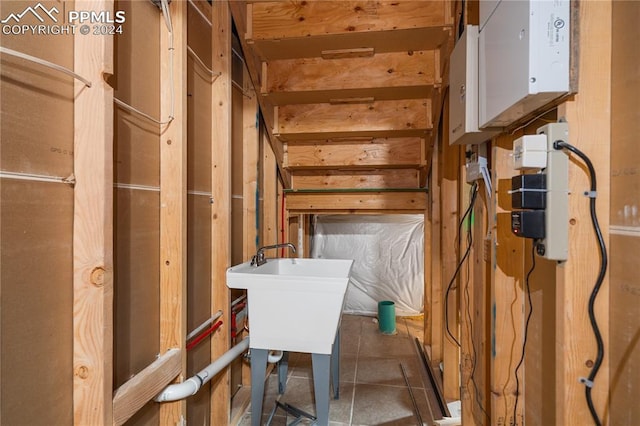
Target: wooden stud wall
149,212
173,198
93,228
589,118
221,193
560,344
199,147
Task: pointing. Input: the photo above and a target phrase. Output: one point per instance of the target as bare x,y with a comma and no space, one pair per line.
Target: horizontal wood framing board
280,20
360,179
372,201
349,96
135,393
381,153
414,39
401,118
396,75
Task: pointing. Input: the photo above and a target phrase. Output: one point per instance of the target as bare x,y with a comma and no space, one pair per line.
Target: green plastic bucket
387,317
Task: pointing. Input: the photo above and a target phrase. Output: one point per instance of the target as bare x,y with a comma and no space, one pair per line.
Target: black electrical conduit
588,382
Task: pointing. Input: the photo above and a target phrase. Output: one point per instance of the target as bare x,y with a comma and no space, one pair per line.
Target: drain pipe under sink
192,385
274,356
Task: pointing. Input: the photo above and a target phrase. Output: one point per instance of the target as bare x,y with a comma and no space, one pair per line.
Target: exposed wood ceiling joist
350,92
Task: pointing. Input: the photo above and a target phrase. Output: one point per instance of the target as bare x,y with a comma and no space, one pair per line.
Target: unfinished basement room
319,212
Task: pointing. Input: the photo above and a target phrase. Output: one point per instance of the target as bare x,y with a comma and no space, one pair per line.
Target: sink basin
294,304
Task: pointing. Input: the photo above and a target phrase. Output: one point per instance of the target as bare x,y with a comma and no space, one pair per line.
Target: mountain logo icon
16,17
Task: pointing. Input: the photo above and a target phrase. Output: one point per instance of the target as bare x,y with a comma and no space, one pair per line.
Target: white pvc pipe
191,386
204,325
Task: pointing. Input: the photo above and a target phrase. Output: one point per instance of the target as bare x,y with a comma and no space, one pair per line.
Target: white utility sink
294,304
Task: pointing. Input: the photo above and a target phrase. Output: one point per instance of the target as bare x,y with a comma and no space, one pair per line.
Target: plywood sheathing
36,225
374,153
624,306
382,76
136,82
305,29
408,118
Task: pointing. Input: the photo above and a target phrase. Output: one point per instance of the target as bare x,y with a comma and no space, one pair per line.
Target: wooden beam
407,39
281,20
507,296
428,285
436,308
589,118
377,153
370,201
450,255
173,196
250,152
394,75
221,209
142,387
250,141
402,118
93,227
473,312
370,178
269,209
466,298
478,314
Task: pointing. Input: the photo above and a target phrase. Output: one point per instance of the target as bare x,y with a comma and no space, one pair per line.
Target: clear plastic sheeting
388,253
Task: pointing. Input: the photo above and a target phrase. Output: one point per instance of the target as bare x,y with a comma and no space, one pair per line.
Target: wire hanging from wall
526,330
164,6
45,63
474,194
196,58
470,322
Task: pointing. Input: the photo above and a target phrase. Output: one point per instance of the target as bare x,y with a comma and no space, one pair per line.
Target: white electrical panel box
524,53
463,89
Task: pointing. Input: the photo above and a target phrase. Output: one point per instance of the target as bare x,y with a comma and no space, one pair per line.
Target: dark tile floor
373,390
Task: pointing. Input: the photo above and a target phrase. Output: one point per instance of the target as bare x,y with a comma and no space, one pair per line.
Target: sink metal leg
335,366
283,366
258,372
321,378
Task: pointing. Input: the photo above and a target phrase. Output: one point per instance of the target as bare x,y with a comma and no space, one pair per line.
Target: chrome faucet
259,258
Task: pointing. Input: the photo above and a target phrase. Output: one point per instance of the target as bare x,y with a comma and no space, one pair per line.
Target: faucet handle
254,260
